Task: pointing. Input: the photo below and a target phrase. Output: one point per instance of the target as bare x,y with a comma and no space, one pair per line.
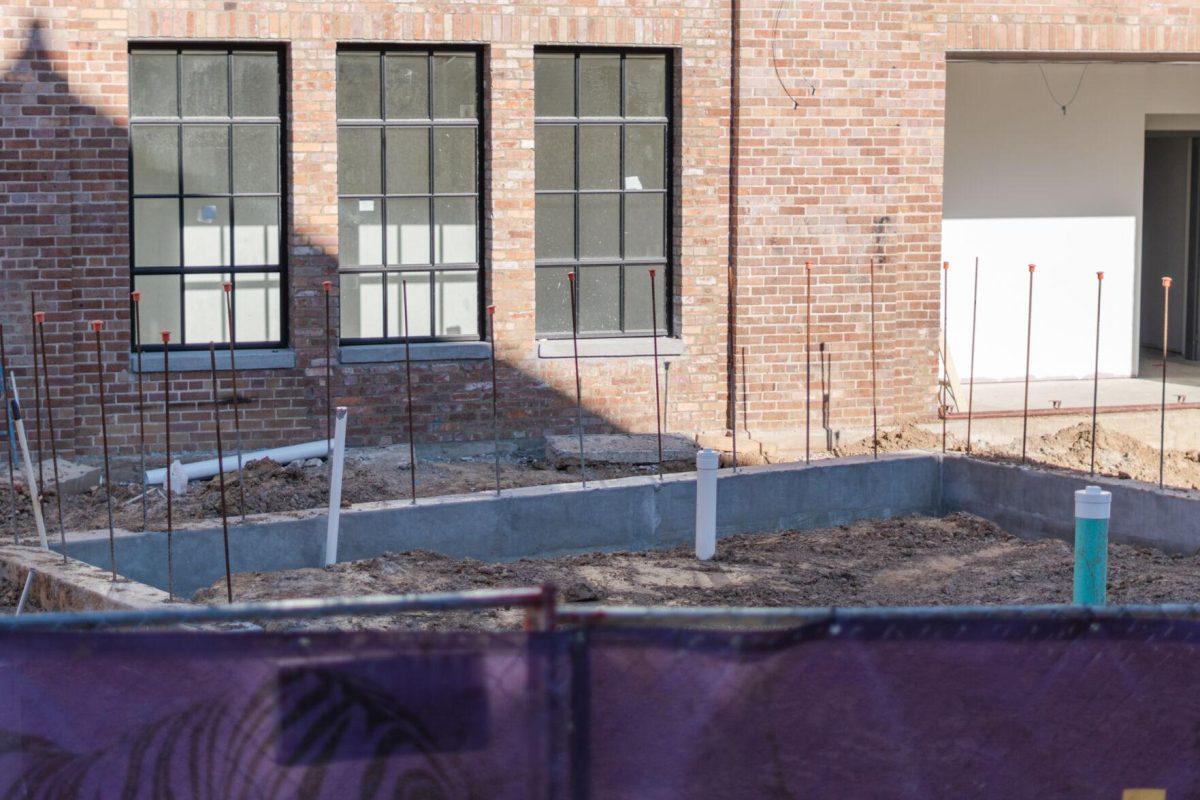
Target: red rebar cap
1167,282
166,336
1032,267
1099,276
97,325
228,286
137,296
651,273
945,265
326,285
39,317
491,310
571,277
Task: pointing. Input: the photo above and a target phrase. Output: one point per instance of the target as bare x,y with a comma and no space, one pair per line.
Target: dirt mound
907,437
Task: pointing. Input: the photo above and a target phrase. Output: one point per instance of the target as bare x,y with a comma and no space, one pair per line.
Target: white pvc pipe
30,477
707,462
335,486
206,469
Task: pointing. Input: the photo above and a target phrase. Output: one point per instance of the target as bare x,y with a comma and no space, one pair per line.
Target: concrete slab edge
74,585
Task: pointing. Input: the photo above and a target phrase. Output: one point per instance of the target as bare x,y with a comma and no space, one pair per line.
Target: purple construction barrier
952,707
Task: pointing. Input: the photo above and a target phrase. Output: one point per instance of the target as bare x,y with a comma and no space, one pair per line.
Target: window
207,195
603,190
408,193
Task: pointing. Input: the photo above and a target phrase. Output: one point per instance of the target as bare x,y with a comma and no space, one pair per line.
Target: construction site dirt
957,559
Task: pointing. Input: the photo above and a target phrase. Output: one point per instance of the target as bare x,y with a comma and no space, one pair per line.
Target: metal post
971,390
137,343
1092,510
1096,372
412,450
491,311
733,384
707,462
657,397
337,460
1162,420
98,326
328,287
1028,350
212,366
874,398
237,415
40,318
571,290
14,410
807,361
9,443
166,340
945,353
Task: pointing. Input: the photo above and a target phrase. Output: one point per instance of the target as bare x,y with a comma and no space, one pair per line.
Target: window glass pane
358,86
554,223
406,86
554,85
360,232
454,230
644,154
637,299
553,302
457,299
646,86
454,161
408,230
554,153
418,304
255,231
156,233
152,85
644,226
599,156
454,86
255,85
599,225
408,160
361,299
600,300
206,232
256,306
359,160
155,159
205,319
599,86
205,159
204,85
159,308
255,158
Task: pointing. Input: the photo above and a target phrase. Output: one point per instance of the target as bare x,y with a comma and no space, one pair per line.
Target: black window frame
666,264
429,50
282,269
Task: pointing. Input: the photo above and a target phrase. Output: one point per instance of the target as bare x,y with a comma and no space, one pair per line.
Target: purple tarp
877,708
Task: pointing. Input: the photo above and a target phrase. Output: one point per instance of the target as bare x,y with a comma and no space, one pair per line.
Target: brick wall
848,170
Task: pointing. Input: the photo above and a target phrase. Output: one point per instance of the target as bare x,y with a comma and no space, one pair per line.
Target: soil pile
907,437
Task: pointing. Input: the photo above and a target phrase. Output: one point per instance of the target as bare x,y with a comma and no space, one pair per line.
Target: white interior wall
1026,183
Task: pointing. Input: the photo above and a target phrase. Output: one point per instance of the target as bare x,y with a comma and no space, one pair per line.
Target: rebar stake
98,326
328,287
9,445
491,311
1162,419
945,353
971,390
657,397
137,344
412,449
874,393
571,291
40,319
237,415
37,391
1028,350
1096,372
807,361
212,360
166,340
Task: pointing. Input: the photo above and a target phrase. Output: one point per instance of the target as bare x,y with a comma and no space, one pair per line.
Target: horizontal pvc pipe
206,469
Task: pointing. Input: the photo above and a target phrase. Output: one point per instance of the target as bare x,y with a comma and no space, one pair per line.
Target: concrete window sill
424,351
617,347
198,361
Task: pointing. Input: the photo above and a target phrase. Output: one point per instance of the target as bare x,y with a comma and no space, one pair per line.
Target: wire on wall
812,87
1074,94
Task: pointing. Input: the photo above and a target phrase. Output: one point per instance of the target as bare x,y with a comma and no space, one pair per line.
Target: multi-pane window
408,193
207,193
602,183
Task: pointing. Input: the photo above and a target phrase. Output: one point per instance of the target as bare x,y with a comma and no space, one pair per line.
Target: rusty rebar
971,389
98,326
807,361
328,287
1162,419
8,439
40,319
874,386
212,361
412,449
491,312
166,340
1096,372
1028,351
237,415
137,344
657,396
572,292
945,352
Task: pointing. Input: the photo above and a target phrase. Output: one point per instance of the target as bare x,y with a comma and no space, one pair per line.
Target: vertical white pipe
25,592
335,486
706,504
30,477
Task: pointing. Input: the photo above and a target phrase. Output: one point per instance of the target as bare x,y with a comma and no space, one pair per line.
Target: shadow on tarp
887,706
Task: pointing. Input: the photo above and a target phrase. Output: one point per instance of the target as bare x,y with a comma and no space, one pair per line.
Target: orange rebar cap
326,285
39,317
945,265
1099,276
137,296
166,336
97,325
1166,282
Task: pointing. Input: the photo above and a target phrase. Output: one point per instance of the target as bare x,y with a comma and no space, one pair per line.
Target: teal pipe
1093,507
